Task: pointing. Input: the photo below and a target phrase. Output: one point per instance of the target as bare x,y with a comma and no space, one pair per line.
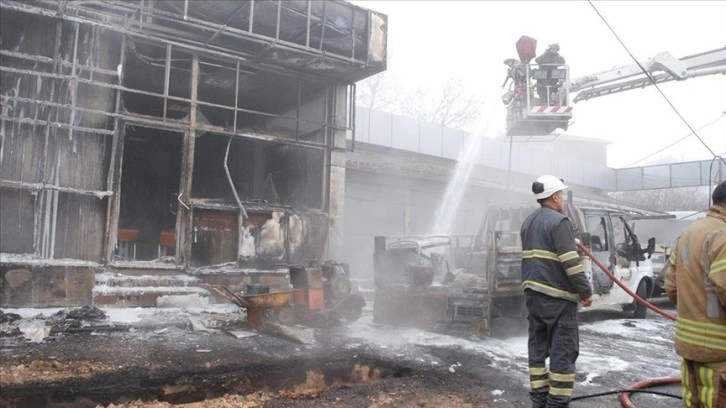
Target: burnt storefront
170,137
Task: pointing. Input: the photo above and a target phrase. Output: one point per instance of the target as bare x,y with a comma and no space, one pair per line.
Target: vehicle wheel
353,313
640,310
350,309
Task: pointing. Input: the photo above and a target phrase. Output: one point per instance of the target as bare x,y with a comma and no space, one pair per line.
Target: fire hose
641,385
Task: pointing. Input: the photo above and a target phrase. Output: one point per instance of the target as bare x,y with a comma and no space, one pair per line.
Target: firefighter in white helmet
553,281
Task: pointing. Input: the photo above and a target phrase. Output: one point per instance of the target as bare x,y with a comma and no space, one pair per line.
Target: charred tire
340,286
350,308
642,291
352,314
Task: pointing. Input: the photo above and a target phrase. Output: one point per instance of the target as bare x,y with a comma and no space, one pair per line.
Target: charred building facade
173,137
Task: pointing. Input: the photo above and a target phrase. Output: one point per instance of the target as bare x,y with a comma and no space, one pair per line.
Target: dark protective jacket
550,57
550,262
696,283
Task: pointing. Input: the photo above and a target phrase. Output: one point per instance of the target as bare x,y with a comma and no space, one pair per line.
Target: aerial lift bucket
525,115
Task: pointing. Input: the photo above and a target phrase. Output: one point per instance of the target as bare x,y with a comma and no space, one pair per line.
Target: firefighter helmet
547,185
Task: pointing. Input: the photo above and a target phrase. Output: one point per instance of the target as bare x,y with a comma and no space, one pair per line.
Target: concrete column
337,104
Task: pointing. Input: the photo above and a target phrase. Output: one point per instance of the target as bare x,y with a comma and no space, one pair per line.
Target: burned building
170,138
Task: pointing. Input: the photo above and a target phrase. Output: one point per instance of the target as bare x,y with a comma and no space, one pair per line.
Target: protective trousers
553,333
703,384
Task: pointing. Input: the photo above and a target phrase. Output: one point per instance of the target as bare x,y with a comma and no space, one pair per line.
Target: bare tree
448,106
668,199
378,92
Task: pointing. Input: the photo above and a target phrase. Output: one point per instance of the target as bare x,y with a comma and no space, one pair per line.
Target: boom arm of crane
663,67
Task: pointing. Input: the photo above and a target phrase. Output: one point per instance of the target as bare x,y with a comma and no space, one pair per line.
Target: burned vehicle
424,282
467,281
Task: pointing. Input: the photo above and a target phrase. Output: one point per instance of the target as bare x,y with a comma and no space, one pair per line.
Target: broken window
266,102
270,179
263,172
150,179
597,228
231,97
334,27
161,95
296,174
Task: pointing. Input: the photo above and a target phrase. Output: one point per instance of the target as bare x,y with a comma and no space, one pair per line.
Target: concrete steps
113,289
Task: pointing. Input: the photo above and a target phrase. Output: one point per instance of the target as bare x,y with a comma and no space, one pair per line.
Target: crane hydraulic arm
663,67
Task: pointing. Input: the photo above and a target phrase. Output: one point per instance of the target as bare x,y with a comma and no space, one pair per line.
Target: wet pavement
155,356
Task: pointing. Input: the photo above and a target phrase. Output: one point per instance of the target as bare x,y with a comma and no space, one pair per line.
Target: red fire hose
640,385
625,396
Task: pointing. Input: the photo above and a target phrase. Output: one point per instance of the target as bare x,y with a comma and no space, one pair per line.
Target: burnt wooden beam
32,187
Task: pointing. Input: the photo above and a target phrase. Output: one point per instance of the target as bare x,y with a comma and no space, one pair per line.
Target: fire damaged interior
174,134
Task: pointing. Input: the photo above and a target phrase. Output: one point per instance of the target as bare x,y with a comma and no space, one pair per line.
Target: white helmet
547,185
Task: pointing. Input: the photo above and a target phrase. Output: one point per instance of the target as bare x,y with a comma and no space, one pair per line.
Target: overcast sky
432,41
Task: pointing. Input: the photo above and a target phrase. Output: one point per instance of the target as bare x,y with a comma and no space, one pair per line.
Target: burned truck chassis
466,302
487,278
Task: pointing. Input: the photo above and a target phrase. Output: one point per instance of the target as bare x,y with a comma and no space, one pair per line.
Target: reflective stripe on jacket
696,283
550,262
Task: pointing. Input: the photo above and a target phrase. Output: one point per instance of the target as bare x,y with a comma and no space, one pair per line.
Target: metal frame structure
325,66
524,117
664,67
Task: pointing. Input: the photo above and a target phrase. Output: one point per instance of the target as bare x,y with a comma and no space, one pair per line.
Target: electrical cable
652,81
679,140
694,214
606,393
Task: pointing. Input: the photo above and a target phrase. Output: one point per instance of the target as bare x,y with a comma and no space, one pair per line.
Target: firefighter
518,76
546,86
515,72
553,281
551,55
696,284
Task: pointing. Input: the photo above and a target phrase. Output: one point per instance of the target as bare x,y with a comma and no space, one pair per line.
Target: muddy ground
161,361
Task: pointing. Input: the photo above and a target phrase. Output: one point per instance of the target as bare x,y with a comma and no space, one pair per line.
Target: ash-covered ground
207,357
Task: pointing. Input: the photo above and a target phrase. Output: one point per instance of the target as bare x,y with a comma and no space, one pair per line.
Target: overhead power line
652,80
678,141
